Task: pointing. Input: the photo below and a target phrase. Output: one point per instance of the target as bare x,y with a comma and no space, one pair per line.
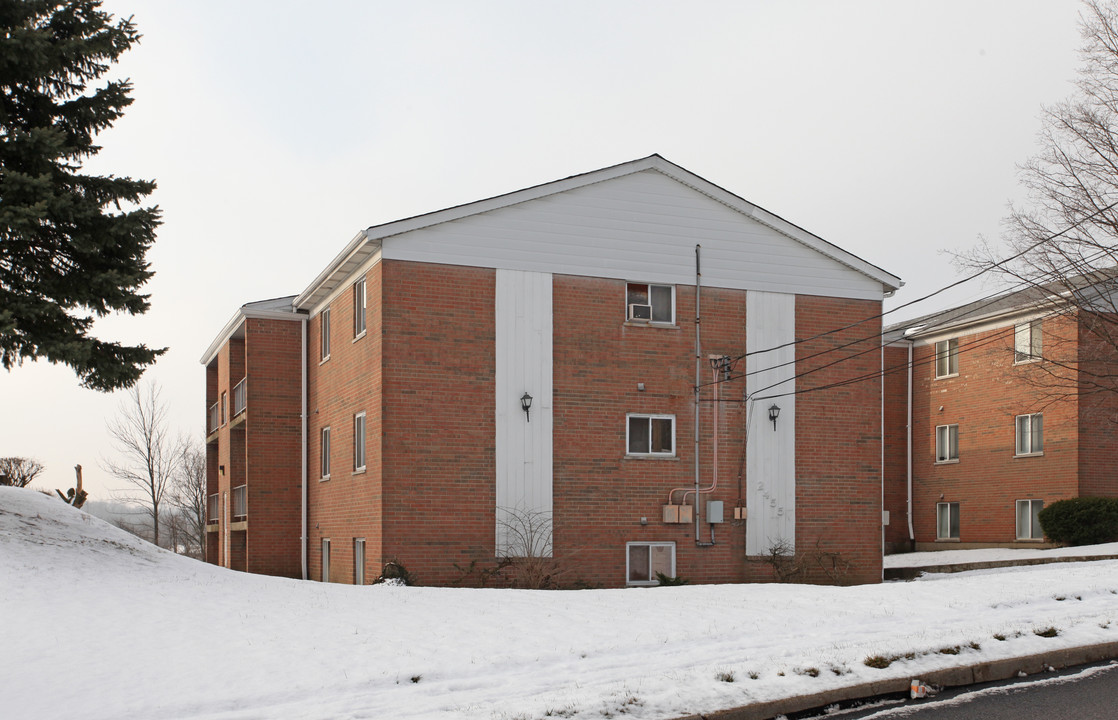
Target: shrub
1081,521
667,580
395,574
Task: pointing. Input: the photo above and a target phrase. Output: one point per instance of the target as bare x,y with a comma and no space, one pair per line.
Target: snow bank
99,624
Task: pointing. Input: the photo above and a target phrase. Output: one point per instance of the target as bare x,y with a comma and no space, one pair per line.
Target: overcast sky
277,130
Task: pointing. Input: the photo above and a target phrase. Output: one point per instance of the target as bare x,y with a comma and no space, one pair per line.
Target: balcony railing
240,397
215,417
213,503
240,502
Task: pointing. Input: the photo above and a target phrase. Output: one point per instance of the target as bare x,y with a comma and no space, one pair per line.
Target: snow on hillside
98,624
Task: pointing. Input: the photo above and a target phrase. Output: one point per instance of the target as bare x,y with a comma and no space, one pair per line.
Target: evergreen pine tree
72,245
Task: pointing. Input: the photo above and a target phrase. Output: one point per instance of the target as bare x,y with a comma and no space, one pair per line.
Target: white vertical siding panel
639,226
523,364
770,454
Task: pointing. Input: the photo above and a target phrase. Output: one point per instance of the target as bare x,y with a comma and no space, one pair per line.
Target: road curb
948,677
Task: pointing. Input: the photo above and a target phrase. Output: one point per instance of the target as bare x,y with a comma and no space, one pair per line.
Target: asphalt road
1083,693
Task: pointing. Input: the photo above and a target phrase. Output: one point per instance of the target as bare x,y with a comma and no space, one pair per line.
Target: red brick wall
348,504
438,418
272,445
983,399
838,435
601,495
1098,409
896,448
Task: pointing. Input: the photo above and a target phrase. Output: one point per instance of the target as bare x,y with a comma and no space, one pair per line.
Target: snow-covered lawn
98,624
952,557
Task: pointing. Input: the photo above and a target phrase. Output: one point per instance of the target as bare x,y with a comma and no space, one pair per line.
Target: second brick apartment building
517,376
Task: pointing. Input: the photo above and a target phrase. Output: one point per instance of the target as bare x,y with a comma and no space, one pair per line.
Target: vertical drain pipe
908,432
303,419
698,380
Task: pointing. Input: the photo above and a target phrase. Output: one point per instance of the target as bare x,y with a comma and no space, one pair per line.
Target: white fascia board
320,300
990,321
357,249
237,321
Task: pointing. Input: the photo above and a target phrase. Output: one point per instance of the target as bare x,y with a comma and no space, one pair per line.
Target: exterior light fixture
774,413
221,468
526,404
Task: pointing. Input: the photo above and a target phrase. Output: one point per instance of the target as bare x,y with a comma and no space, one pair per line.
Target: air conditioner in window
640,312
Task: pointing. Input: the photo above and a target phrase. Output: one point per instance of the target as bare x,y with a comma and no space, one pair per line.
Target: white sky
278,130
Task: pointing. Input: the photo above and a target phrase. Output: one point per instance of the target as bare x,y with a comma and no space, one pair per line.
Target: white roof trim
358,249
234,325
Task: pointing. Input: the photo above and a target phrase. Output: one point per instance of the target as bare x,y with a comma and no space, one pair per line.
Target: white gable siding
770,469
523,445
643,226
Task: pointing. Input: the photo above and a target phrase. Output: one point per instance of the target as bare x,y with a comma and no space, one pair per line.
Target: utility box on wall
676,514
714,512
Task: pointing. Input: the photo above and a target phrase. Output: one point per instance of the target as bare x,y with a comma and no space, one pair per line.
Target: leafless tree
18,471
188,497
1063,241
147,454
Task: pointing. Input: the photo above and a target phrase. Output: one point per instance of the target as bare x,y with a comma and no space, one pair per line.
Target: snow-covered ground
953,557
95,623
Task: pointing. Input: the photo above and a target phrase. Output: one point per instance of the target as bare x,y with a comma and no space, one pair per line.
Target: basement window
650,303
358,561
1028,520
650,435
325,559
947,521
644,559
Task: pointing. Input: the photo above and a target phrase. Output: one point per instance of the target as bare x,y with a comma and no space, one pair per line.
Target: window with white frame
325,464
650,303
324,324
1026,342
358,561
947,358
947,521
224,407
359,308
1030,434
1028,520
947,443
644,559
359,442
650,435
325,559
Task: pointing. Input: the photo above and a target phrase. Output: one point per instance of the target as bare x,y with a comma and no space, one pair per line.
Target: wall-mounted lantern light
526,404
774,413
221,468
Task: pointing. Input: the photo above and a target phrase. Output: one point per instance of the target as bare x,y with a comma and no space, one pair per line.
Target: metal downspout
698,381
911,534
303,419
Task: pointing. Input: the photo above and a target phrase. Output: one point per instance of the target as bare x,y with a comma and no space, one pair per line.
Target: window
947,443
947,358
947,521
358,561
651,435
325,323
1030,434
325,453
1028,520
359,442
1026,342
359,308
325,559
645,559
650,303
224,407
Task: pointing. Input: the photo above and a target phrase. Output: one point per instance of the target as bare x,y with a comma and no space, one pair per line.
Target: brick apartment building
1003,421
456,386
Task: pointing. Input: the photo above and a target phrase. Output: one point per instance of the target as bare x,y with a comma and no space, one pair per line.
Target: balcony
213,508
240,503
215,417
240,397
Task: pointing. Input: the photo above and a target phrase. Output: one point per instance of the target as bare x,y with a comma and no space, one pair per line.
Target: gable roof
368,242
272,309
